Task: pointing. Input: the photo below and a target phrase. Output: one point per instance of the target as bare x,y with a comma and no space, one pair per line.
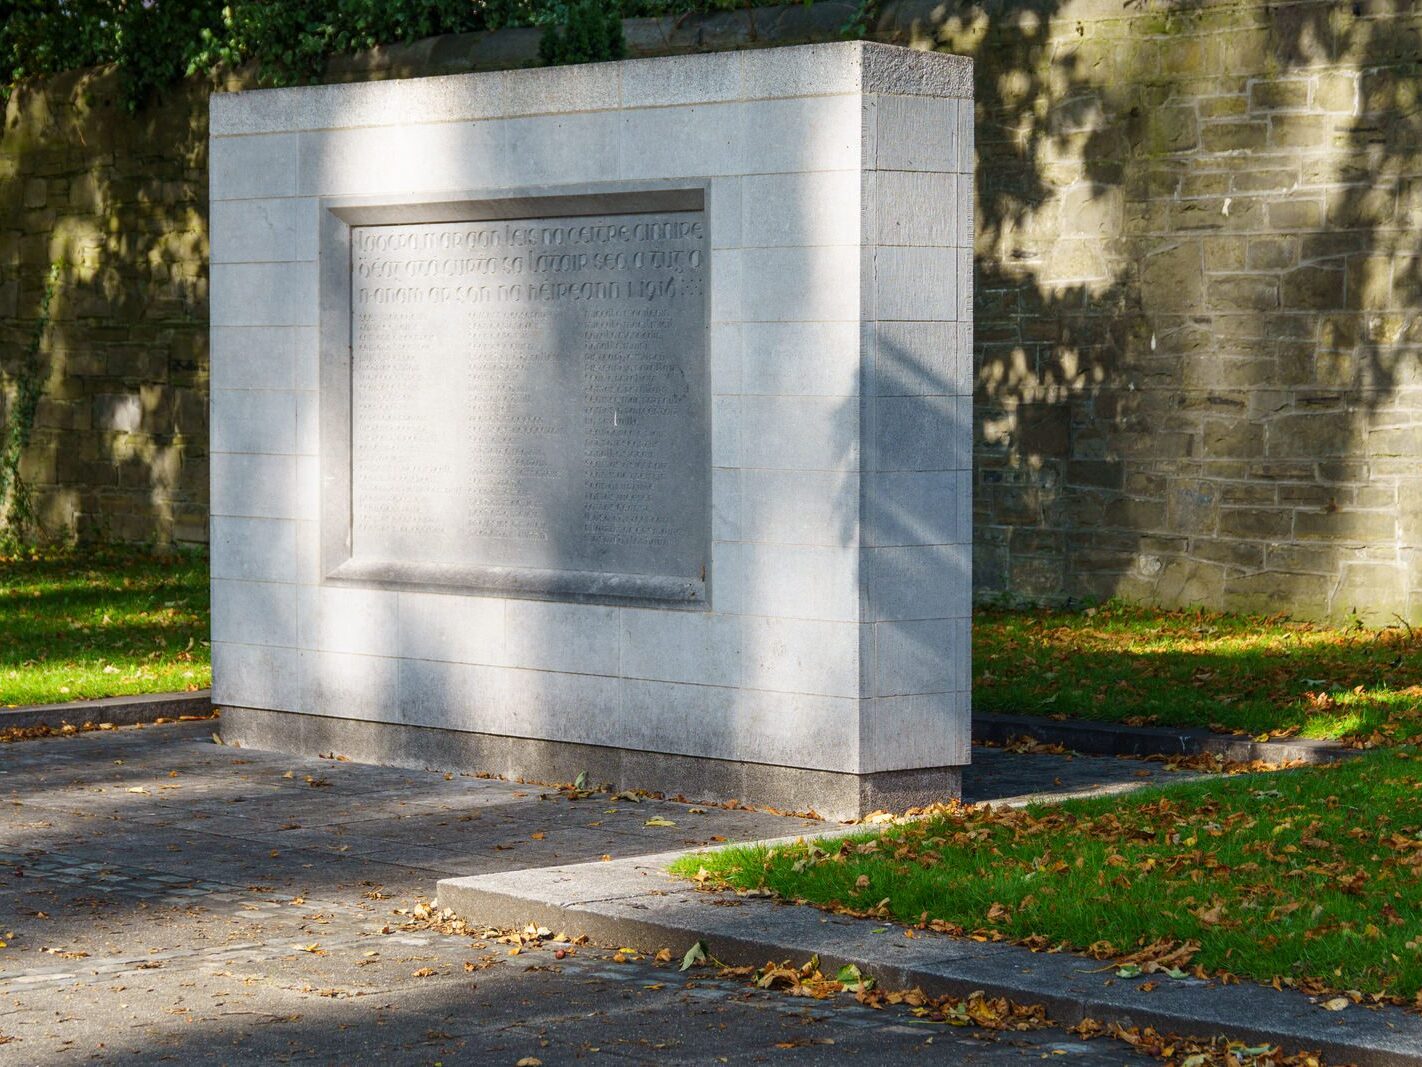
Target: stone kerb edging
120,711
1116,739
634,903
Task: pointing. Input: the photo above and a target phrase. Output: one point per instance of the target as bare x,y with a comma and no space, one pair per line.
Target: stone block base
830,794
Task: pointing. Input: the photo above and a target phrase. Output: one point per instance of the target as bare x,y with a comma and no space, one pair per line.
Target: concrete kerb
120,711
634,903
1116,739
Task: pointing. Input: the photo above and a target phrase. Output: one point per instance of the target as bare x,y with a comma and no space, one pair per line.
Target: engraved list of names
528,396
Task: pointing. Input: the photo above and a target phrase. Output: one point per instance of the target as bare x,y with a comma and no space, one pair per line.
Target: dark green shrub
155,42
590,31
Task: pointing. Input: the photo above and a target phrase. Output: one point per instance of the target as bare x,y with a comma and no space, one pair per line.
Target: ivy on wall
17,515
155,42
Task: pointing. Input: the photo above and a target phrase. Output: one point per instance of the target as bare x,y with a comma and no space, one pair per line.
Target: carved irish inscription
528,400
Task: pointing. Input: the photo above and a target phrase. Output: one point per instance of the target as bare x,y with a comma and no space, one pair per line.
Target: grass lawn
102,624
1243,673
1311,876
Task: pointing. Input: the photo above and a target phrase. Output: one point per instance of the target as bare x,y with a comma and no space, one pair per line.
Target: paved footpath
166,899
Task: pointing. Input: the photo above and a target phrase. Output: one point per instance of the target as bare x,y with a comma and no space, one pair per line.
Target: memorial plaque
528,405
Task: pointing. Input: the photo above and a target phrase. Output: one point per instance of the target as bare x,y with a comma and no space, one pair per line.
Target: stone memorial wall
610,419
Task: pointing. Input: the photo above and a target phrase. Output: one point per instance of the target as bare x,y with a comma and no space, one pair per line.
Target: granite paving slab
184,925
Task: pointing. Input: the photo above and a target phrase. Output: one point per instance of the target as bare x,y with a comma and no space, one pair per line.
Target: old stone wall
118,203
1199,359
1198,275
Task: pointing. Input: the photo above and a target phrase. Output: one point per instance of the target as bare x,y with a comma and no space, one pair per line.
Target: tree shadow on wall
1054,314
1193,280
119,203
1352,375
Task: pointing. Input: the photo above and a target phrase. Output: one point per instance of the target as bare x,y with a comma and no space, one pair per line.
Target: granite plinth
828,794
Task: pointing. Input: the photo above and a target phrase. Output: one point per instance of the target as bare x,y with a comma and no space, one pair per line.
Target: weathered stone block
1187,583
1370,283
1173,129
1257,523
1227,253
1376,593
1312,434
1346,527
1264,180
1281,94
1233,136
1295,214
1174,276
1273,253
1233,438
1239,554
1322,496
1258,292
1336,91
1304,594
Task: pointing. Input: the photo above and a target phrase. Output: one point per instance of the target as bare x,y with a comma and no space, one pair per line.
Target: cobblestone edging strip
121,711
634,903
1115,739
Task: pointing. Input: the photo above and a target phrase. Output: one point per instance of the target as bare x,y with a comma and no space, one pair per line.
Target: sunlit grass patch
111,623
1244,673
1312,877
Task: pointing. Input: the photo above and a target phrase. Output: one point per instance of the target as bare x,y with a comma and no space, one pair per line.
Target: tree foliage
155,42
588,31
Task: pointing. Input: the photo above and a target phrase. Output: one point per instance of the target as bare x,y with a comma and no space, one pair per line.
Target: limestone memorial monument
610,418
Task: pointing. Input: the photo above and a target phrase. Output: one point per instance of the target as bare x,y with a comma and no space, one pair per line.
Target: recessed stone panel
528,404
